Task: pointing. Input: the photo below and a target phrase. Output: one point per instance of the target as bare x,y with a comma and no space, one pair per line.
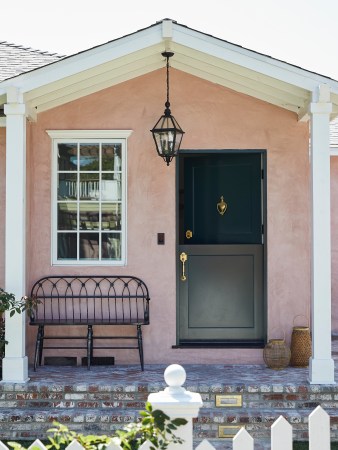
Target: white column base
15,370
321,371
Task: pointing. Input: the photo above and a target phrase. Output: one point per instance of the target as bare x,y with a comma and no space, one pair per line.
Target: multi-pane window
89,201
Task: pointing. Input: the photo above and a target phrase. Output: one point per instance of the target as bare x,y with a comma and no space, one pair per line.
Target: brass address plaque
229,401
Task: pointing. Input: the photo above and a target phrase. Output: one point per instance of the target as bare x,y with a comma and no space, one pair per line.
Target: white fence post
319,430
177,402
205,445
281,435
243,441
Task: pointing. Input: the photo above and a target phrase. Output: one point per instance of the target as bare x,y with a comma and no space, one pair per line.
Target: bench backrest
124,299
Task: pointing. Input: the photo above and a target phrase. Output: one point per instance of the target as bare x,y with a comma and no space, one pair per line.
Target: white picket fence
281,434
176,402
281,437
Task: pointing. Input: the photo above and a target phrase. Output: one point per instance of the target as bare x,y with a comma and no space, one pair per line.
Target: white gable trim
196,53
89,134
86,60
249,59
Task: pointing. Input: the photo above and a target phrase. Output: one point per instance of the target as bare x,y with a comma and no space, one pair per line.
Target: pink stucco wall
212,117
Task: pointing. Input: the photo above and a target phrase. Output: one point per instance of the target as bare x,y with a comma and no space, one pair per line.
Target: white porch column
321,370
15,363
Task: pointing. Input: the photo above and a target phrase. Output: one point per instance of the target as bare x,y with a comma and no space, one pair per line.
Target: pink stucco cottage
247,200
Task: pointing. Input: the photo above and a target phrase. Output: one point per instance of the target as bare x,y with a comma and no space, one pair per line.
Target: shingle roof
16,59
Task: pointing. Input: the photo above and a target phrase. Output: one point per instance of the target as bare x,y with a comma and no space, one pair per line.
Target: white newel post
177,402
15,363
321,369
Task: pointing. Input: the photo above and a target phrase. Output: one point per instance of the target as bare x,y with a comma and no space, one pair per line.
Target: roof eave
197,53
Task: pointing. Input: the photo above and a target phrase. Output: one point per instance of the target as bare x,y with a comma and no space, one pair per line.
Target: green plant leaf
149,407
179,422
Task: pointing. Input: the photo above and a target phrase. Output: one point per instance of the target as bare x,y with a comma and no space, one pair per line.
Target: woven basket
301,348
276,354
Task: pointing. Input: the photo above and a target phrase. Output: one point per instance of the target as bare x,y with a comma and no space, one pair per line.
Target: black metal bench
89,300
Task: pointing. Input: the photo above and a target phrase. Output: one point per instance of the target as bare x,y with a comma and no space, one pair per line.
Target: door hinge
262,228
262,174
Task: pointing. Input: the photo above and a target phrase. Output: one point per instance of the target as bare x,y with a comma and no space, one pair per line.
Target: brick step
213,424
28,423
254,415
33,423
56,398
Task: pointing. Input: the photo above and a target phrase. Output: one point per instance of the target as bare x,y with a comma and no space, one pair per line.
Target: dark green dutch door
221,257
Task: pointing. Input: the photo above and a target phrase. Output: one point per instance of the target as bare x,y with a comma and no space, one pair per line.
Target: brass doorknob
183,259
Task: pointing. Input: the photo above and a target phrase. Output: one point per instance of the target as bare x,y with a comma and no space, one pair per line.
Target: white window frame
89,136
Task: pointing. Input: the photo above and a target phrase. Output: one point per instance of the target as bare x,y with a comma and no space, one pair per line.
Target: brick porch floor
153,374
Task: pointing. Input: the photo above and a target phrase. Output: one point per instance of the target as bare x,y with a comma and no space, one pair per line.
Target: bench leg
140,345
38,347
89,345
42,335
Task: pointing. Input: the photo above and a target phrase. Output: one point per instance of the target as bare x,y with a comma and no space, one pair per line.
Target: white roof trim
86,60
196,53
249,59
89,134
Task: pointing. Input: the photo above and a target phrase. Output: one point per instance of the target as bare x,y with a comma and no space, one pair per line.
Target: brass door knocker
222,206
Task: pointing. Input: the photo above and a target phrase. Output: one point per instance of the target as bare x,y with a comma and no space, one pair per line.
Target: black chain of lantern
167,104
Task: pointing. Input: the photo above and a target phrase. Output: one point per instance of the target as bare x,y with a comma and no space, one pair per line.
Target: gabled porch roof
196,53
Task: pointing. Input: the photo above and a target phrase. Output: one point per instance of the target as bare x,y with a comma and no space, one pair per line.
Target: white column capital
16,106
321,100
15,109
321,94
320,108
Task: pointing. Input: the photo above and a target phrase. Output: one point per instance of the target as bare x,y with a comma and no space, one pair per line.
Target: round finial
174,375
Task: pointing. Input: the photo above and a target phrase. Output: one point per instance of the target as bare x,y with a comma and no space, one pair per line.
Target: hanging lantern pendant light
167,133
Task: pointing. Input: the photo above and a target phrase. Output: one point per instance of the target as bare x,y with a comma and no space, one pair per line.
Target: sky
300,32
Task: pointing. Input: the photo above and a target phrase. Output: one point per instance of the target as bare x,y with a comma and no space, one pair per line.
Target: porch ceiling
196,53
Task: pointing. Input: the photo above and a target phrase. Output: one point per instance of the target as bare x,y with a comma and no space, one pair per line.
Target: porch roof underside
196,53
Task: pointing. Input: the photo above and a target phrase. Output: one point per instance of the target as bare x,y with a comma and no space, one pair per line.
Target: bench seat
99,300
88,322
